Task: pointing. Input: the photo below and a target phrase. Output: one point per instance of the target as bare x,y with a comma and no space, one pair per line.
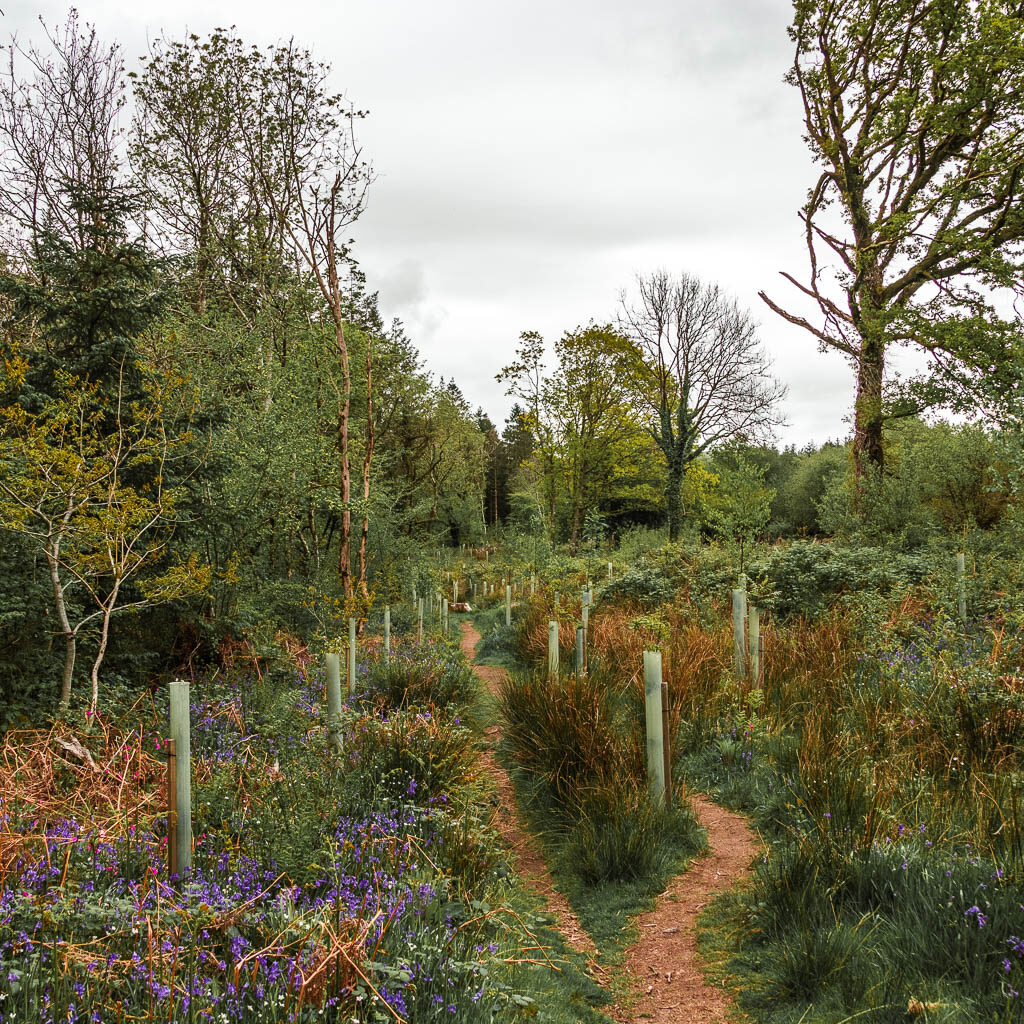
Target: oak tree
914,225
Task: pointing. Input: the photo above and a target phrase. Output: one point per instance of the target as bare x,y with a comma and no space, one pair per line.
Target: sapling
739,616
655,734
181,733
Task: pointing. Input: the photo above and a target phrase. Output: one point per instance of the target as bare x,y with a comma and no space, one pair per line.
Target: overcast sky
533,157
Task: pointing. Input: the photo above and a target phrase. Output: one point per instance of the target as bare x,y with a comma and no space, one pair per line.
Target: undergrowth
884,768
362,886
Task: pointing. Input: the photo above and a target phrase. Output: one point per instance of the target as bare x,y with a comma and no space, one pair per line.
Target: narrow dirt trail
665,969
526,852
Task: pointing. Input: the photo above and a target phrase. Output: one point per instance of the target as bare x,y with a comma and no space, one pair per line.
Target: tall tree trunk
311,522
331,290
367,460
94,675
202,264
344,470
577,524
868,419
52,550
869,316
550,481
868,309
674,498
675,446
577,509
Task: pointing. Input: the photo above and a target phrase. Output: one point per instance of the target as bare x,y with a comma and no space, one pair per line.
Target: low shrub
805,579
404,757
498,643
417,679
639,585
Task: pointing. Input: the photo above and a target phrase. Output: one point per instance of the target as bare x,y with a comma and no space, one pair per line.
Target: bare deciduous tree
704,377
59,136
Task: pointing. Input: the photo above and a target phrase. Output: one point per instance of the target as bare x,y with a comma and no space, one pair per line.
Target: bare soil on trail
526,852
663,971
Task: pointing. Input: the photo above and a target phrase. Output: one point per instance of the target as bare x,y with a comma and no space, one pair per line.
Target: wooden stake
172,808
666,734
333,666
739,640
586,620
754,643
351,656
961,587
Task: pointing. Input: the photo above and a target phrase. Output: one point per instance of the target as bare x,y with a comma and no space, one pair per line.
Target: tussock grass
581,740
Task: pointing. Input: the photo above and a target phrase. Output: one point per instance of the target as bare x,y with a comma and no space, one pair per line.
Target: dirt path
668,984
529,861
666,979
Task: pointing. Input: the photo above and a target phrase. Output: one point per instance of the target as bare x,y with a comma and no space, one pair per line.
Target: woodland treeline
209,432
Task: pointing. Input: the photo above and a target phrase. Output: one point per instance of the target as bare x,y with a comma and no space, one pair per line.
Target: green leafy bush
642,585
804,578
498,643
401,758
636,542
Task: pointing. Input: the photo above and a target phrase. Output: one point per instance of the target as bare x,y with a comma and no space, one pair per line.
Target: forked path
529,861
664,972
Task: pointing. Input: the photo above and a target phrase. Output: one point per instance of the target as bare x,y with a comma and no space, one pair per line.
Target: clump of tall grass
416,679
562,731
620,834
581,738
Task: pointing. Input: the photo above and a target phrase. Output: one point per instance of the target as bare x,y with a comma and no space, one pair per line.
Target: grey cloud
404,286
